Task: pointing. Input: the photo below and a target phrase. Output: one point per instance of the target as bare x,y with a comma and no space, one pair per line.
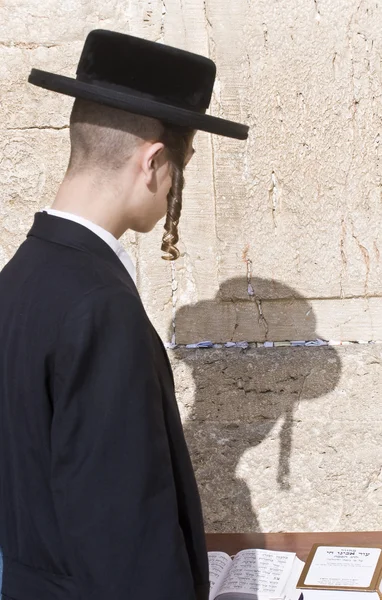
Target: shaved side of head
104,138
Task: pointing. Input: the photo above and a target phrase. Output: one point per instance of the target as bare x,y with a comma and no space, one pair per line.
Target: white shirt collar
106,236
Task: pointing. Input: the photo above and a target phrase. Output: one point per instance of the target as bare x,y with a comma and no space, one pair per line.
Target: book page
343,566
290,591
263,573
219,564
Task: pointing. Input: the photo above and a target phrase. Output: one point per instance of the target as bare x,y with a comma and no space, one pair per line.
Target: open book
254,575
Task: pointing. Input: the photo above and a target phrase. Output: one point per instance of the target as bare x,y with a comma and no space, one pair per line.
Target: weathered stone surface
52,22
294,318
26,106
295,202
298,189
284,439
155,281
30,174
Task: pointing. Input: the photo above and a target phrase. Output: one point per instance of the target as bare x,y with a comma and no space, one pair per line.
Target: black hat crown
155,70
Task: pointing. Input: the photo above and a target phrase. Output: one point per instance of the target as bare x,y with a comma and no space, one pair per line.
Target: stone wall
285,439
280,239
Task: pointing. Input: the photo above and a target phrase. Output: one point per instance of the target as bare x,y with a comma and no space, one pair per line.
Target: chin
146,227
143,227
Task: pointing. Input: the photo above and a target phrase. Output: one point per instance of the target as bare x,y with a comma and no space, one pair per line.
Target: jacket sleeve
111,474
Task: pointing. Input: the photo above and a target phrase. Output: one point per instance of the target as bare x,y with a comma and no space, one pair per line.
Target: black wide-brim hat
145,78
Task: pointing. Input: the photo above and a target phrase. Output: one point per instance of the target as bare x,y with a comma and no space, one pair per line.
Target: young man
98,499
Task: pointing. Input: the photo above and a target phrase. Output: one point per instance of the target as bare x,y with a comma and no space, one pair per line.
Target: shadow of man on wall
243,396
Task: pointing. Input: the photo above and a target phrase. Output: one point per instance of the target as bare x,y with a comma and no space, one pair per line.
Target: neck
94,201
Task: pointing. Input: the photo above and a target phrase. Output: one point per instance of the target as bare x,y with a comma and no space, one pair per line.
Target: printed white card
343,566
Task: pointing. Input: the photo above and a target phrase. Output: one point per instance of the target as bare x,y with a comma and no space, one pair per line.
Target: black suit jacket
98,499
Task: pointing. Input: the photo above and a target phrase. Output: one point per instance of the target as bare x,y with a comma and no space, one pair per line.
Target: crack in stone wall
174,300
252,295
40,127
163,19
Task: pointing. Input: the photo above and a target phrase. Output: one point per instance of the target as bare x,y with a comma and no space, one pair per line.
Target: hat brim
103,94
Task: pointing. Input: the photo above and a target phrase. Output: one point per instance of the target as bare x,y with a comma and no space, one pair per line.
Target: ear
151,160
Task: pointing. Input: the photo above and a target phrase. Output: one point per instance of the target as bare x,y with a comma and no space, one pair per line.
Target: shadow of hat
271,305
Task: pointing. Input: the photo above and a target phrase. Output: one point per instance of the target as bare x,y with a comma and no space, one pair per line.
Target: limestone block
334,465
261,318
156,284
53,22
32,165
31,168
309,85
286,439
147,18
185,25
197,268
24,105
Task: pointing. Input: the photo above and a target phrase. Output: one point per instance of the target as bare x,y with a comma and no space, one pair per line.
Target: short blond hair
104,138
